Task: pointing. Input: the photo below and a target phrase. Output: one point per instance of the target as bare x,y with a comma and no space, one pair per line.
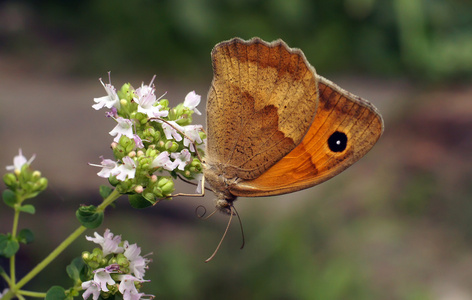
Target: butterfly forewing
261,103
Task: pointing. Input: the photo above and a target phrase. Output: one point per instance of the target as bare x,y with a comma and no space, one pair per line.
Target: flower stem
32,294
5,276
50,257
16,219
16,287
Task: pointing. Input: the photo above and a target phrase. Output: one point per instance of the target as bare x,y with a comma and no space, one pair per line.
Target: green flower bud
112,260
97,254
172,146
125,186
168,187
86,256
164,103
149,196
41,184
121,260
125,91
142,118
157,194
113,181
103,262
10,180
168,145
195,162
150,152
94,265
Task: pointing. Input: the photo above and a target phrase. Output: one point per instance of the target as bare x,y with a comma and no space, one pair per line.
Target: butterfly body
274,126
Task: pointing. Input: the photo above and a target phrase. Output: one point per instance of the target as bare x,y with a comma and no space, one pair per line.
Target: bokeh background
396,225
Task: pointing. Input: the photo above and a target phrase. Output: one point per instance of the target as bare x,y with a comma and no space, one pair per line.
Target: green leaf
28,208
105,191
9,198
56,293
75,269
8,245
138,201
25,236
89,217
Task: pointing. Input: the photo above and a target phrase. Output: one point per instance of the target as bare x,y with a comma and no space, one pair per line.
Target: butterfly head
224,206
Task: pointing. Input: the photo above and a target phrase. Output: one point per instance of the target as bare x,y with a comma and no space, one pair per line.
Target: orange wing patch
313,161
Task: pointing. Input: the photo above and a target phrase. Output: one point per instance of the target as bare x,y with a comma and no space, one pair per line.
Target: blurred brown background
397,225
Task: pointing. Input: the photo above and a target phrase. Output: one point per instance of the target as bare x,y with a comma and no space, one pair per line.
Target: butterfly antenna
241,227
202,216
222,238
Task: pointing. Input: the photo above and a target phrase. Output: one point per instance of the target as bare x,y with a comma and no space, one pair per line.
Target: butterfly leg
201,194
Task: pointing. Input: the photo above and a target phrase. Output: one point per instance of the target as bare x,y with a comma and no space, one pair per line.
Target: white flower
124,127
170,130
102,277
191,131
108,101
138,141
128,288
127,284
91,287
127,169
146,99
107,166
138,263
181,159
19,161
109,242
191,101
162,161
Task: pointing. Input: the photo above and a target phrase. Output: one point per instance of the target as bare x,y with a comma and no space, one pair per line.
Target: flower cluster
23,181
117,267
150,139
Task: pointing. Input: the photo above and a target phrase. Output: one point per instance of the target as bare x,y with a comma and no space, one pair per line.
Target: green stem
14,230
109,200
12,270
5,276
15,220
15,288
62,246
32,294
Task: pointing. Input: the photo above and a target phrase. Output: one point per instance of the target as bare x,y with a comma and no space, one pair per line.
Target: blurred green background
397,225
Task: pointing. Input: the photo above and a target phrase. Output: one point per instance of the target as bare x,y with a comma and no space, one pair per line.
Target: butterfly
275,126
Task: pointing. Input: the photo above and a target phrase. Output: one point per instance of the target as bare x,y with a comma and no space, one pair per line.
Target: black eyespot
337,142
